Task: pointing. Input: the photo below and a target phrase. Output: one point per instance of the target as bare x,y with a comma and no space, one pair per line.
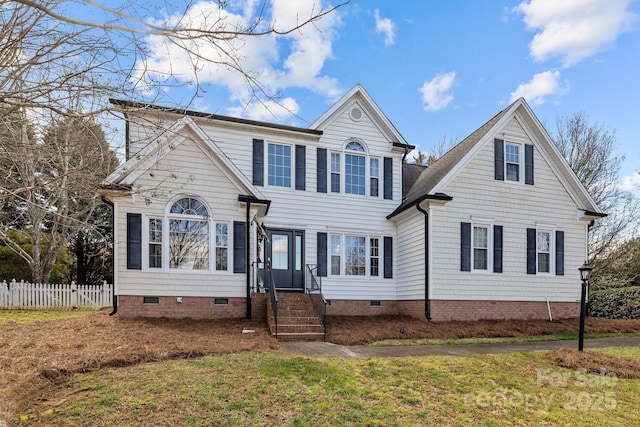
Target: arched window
188,235
355,170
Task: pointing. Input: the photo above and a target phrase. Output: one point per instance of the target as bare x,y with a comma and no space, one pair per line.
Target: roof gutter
435,197
243,198
427,302
114,301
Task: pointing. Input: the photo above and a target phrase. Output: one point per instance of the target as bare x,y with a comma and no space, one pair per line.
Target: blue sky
438,69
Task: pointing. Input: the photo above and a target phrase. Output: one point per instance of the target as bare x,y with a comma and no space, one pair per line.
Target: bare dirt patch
595,363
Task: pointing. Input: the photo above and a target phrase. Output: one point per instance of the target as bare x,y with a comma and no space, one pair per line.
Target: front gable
168,164
357,113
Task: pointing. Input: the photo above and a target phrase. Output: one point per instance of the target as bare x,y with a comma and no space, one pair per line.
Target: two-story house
496,228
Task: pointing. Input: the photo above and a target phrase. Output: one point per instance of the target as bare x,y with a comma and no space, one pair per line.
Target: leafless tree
439,149
57,73
50,176
589,149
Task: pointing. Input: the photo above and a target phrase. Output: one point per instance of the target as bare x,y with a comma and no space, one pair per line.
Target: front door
285,253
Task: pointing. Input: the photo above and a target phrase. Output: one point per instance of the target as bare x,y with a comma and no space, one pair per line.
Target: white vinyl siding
517,208
197,172
187,170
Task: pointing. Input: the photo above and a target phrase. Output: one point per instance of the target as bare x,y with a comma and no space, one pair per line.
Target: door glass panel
298,253
279,251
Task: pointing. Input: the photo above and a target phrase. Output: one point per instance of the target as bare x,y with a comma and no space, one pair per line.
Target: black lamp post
585,271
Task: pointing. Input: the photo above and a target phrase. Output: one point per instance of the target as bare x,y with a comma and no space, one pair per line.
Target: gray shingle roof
422,186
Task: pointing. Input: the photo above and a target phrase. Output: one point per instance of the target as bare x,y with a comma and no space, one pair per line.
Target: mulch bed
591,362
367,330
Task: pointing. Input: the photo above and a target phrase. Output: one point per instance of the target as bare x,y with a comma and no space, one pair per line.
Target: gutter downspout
248,258
427,302
114,301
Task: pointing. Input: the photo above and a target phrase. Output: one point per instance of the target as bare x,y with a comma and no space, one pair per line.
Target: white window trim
552,249
367,167
368,238
521,166
488,224
292,168
165,241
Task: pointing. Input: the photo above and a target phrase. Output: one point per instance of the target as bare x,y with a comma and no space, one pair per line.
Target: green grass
28,316
462,341
255,389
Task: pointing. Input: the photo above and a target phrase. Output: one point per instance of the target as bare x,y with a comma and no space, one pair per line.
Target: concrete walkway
325,349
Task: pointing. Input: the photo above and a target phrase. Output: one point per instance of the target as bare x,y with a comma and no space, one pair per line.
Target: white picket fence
33,296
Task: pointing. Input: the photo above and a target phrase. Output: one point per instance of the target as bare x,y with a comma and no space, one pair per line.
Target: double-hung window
155,242
480,247
374,177
335,172
279,165
222,246
543,251
512,162
336,250
374,256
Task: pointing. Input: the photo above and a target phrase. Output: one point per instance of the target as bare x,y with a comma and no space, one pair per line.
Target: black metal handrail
314,290
273,295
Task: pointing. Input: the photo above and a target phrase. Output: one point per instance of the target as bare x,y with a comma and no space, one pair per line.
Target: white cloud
631,183
267,110
386,27
541,86
308,48
436,93
573,30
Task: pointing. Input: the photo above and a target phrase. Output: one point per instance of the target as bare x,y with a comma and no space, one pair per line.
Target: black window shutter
322,170
498,155
134,241
258,162
497,249
301,167
388,178
528,164
322,254
465,246
388,257
559,253
531,251
239,247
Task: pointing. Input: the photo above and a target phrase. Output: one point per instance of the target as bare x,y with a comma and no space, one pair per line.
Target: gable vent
356,114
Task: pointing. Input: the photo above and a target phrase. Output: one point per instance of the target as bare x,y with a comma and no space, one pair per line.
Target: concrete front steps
297,321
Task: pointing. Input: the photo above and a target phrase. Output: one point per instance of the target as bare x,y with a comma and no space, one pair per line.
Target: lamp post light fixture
585,271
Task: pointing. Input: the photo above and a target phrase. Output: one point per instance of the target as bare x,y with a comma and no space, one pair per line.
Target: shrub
616,303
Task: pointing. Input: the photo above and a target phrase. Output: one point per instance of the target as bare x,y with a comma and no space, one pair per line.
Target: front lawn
269,388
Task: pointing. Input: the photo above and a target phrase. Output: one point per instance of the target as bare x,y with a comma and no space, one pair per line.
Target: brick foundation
259,307
446,310
441,310
191,307
362,308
